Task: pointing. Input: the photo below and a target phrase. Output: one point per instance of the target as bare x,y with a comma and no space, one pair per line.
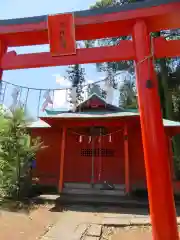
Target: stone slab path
90,225
76,223
87,224
132,236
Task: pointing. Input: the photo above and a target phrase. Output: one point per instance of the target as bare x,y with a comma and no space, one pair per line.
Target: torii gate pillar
162,208
3,50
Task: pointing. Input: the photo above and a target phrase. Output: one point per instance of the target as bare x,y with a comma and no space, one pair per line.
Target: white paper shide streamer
48,101
80,139
110,138
90,139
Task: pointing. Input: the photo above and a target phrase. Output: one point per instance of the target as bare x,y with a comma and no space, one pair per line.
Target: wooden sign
61,33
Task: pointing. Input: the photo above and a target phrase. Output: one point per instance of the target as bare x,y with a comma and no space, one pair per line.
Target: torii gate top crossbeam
95,23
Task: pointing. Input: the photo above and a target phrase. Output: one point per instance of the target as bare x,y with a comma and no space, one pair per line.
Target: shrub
17,150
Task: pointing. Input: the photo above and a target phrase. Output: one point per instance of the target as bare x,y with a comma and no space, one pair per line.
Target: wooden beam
156,158
107,122
164,48
124,51
94,23
61,34
126,159
3,50
62,154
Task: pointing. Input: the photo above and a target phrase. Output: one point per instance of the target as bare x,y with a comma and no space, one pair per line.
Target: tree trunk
168,113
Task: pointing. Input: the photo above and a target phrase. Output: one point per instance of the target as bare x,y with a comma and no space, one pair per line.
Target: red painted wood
112,168
3,50
78,168
136,156
126,159
106,122
61,33
161,17
162,208
48,159
124,51
164,48
62,158
18,28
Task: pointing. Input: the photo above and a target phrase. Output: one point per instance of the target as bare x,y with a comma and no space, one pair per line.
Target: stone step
100,200
90,200
89,186
95,192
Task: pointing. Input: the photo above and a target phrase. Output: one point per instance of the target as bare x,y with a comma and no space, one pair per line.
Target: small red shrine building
95,144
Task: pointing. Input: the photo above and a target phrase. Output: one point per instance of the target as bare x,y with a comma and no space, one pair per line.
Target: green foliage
168,75
128,95
17,150
95,88
115,66
109,3
76,74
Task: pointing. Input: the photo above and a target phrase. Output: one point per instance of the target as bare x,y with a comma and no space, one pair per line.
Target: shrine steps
83,193
93,190
88,193
89,186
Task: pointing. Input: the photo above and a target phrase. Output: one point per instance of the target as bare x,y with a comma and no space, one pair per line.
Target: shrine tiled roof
107,111
39,124
94,115
169,123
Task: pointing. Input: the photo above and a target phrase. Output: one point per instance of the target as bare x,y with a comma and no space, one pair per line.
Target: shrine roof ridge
91,12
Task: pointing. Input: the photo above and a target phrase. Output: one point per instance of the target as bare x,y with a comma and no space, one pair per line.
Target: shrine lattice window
97,152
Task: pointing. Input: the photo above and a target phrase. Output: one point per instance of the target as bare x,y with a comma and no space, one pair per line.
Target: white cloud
61,99
89,81
62,81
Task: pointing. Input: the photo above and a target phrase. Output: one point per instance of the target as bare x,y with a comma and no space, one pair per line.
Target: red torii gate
138,20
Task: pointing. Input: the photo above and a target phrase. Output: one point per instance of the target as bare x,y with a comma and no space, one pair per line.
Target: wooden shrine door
109,158
95,159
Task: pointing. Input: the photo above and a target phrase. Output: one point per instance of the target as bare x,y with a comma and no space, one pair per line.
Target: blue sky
41,78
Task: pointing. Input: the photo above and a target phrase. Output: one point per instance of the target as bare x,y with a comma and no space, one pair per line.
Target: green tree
17,150
114,66
128,94
163,66
111,68
95,88
76,74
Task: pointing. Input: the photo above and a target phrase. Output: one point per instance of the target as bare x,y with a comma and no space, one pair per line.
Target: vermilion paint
156,156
